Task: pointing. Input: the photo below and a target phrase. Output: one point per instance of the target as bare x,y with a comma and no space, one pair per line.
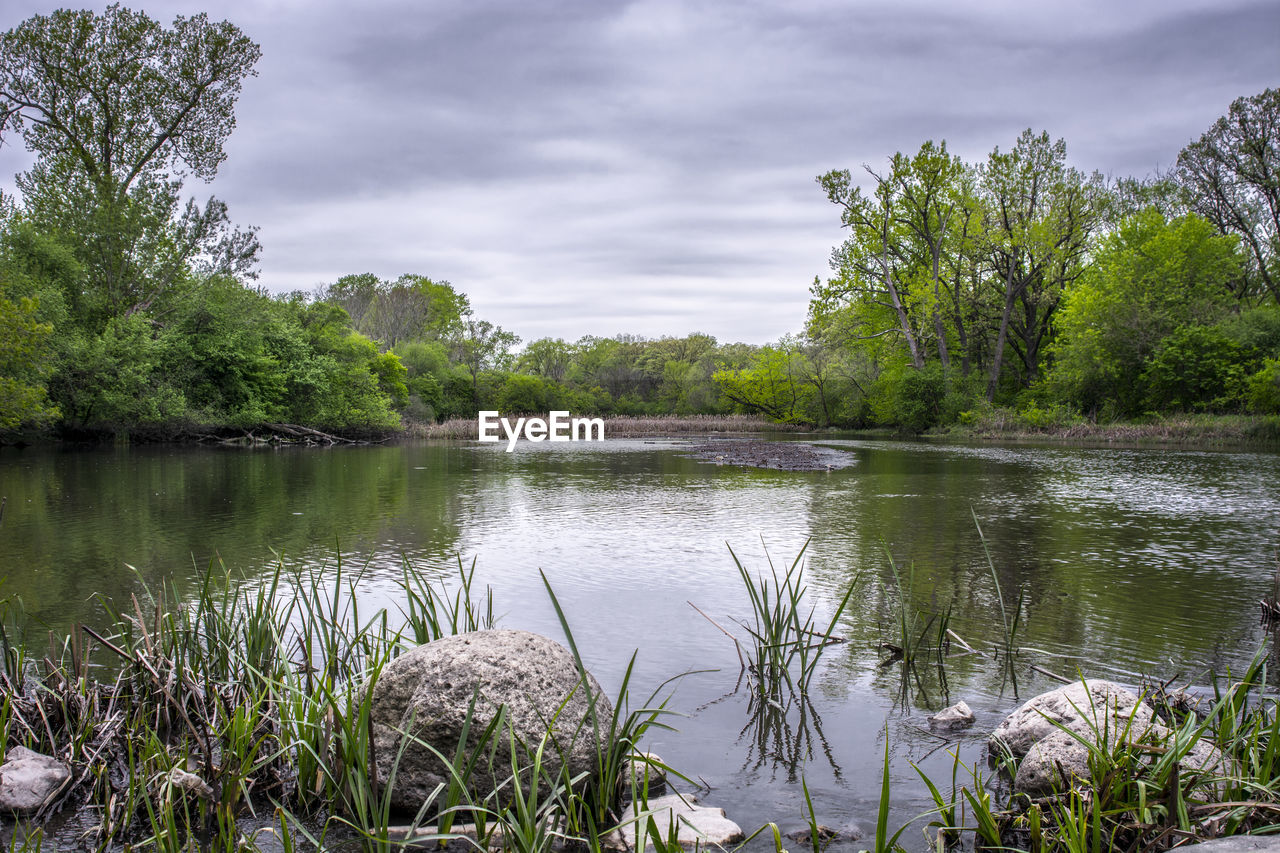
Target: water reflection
1129,562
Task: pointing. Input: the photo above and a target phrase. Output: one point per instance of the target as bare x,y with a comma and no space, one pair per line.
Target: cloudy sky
596,167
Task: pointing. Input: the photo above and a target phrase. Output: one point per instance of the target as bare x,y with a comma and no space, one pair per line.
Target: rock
1038,773
958,716
29,780
805,836
646,768
1055,758
697,826
1080,707
427,692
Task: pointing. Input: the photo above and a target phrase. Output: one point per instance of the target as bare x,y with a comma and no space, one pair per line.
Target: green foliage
523,395
916,400
1264,389
412,308
774,385
24,343
1150,279
1197,368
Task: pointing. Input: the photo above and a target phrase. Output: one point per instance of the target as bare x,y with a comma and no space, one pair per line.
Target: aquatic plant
786,642
1009,624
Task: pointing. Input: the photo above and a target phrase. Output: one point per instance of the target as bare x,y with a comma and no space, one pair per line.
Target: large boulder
29,781
1042,734
1082,707
426,693
1052,762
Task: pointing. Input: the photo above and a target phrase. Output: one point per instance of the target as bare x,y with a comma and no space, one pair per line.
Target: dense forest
1019,284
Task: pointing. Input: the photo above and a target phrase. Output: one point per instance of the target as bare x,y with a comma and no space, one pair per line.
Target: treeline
1018,284
1024,284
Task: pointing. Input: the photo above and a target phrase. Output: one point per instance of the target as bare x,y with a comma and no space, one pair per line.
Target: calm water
1132,563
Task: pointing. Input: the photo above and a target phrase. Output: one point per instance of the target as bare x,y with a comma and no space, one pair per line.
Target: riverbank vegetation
236,716
1016,289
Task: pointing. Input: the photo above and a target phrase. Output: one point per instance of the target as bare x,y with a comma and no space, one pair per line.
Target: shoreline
1186,432
1180,431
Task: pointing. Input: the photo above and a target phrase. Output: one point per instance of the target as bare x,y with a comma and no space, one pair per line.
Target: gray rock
1082,707
29,780
646,769
427,692
958,716
696,826
1053,761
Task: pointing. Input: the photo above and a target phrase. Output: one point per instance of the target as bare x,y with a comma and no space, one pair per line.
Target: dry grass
622,426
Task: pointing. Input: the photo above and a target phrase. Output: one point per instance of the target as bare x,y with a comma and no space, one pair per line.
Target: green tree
1233,175
773,385
480,346
1042,215
114,106
1150,278
24,343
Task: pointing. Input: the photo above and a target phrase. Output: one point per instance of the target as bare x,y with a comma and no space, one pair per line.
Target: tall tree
116,109
872,271
480,345
1233,175
1042,215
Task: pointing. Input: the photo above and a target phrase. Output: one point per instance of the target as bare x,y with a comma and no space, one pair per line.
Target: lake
1130,562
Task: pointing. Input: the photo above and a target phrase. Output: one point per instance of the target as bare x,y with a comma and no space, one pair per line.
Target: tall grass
785,641
187,716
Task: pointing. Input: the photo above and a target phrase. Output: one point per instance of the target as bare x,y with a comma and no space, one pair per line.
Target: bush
913,400
522,394
1263,392
1197,368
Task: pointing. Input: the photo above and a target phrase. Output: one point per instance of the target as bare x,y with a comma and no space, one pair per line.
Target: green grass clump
248,704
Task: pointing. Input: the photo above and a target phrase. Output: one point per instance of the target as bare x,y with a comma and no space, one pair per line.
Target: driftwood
308,432
280,434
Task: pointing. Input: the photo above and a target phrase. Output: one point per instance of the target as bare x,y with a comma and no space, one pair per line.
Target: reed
786,641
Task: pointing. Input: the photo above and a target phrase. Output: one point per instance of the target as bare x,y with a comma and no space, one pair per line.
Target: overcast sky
598,167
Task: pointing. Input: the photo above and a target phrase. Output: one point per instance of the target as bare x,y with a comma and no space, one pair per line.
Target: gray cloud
647,167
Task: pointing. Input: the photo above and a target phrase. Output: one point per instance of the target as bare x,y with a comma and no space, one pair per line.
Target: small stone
958,716
646,769
805,836
696,826
29,780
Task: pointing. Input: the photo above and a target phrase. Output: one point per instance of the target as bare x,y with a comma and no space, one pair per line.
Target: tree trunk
998,356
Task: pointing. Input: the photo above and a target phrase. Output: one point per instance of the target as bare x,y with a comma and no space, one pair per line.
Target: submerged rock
958,716
29,780
427,693
696,825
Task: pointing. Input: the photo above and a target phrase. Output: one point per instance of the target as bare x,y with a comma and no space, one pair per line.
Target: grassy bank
623,426
239,719
1178,430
